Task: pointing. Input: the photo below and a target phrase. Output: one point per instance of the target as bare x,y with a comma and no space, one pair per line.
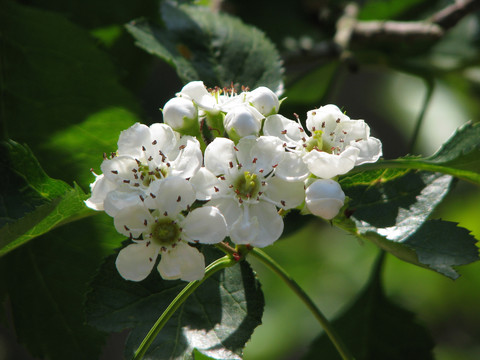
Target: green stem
329,330
211,269
428,96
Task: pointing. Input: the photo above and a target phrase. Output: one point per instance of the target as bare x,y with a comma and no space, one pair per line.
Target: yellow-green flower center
147,175
315,141
247,185
165,232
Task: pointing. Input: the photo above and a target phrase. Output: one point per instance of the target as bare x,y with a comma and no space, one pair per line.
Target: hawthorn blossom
144,156
247,182
335,145
159,226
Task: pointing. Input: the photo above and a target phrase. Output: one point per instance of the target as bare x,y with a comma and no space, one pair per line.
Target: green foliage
35,203
217,320
373,327
215,48
391,208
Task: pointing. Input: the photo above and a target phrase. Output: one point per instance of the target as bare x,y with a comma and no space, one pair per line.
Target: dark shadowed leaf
391,208
212,47
217,319
373,327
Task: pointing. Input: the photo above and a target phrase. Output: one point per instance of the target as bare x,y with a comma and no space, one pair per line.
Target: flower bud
181,115
264,100
242,121
324,198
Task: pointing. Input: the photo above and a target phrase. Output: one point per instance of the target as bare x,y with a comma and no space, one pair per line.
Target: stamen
154,142
179,198
114,172
152,196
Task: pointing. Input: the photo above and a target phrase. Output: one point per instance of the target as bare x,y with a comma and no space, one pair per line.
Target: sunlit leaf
212,47
217,319
391,208
33,202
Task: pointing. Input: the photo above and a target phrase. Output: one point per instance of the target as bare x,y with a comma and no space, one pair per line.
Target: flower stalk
211,269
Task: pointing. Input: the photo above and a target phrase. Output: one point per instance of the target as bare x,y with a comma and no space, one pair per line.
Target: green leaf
47,280
375,328
217,319
391,207
459,156
60,92
33,203
213,47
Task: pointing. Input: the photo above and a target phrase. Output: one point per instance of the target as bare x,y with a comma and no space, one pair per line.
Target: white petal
370,150
172,194
132,220
204,183
264,100
166,139
218,155
325,208
136,261
187,158
131,140
354,130
100,188
206,225
267,150
244,229
229,208
119,169
182,262
117,200
292,167
195,90
242,121
270,224
325,118
325,165
286,194
180,113
285,129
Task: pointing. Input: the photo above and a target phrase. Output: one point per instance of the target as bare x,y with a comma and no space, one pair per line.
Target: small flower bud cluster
234,160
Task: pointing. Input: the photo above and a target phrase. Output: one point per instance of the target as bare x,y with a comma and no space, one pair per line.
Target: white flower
165,230
264,100
145,155
336,143
182,115
242,121
247,183
324,198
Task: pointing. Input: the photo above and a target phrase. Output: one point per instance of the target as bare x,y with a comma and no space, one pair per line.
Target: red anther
303,139
301,129
254,160
231,164
236,256
126,181
235,148
313,128
283,203
143,148
126,227
260,171
216,189
114,172
222,177
181,147
141,198
150,259
323,124
168,164
179,198
274,166
284,132
284,145
154,142
338,120
239,166
249,247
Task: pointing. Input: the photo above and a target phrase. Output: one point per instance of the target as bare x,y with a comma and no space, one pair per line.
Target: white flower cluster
166,188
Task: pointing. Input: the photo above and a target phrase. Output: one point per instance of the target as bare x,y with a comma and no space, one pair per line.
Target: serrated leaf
217,319
212,47
459,156
47,280
391,208
33,202
373,327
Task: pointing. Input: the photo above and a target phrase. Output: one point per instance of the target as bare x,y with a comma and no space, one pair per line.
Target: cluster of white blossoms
222,165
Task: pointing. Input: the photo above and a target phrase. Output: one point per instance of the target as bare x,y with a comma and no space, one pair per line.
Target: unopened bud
264,100
242,121
324,198
182,115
